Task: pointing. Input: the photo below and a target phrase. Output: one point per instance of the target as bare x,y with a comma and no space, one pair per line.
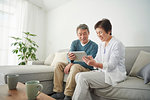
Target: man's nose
82,36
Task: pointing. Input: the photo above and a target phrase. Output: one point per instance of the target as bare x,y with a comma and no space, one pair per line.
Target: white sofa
39,70
133,88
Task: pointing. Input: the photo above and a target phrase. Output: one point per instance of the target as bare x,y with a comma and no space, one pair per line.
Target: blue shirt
90,48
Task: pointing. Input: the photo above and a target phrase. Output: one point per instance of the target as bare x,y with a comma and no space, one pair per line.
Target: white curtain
35,22
17,16
11,24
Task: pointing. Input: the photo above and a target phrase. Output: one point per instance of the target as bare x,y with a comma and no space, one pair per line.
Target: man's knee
59,65
75,67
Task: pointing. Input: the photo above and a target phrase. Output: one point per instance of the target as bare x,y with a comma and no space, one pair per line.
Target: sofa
133,88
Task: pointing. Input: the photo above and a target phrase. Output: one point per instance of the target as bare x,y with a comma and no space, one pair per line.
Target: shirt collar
111,40
85,44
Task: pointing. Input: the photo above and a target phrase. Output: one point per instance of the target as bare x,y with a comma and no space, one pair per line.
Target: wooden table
19,93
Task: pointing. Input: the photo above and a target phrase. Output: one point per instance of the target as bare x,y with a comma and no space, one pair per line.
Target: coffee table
19,93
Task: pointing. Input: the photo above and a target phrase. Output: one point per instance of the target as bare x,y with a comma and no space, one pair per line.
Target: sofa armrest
37,63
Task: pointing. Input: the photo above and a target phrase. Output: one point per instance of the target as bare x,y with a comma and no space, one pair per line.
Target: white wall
129,18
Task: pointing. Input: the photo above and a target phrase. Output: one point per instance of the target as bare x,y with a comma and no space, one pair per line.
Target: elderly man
81,44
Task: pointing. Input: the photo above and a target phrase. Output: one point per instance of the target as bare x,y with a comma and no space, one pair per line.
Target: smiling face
83,35
101,33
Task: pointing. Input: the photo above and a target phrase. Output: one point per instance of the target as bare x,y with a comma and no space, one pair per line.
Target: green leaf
20,44
16,38
19,58
35,45
22,63
19,55
15,43
33,56
29,55
28,39
32,35
20,49
15,51
24,49
27,33
30,50
34,49
22,57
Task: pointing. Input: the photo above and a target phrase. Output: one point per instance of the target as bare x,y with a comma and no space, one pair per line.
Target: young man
109,61
81,44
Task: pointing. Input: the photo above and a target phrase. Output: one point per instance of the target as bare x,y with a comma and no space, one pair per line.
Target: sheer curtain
35,22
11,23
16,16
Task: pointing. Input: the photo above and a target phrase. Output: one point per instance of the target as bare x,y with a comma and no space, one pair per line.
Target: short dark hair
82,26
105,24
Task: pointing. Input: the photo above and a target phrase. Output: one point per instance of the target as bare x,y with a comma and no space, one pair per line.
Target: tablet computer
79,55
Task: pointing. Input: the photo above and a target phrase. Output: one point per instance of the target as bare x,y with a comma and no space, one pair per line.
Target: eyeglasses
100,33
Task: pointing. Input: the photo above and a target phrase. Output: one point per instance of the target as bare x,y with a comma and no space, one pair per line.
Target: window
11,23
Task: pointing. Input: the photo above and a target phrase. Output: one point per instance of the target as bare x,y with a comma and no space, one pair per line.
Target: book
79,55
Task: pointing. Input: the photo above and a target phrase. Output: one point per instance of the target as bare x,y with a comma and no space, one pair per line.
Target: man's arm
71,56
67,68
94,51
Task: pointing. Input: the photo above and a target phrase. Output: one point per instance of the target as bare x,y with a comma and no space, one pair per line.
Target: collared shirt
84,44
113,59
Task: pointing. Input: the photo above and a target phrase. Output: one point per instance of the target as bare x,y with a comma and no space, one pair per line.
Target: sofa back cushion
142,60
144,73
131,54
59,57
49,59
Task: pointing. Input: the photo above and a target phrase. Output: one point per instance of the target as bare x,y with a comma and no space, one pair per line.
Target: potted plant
25,48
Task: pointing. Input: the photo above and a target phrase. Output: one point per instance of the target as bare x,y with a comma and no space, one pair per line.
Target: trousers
87,80
70,83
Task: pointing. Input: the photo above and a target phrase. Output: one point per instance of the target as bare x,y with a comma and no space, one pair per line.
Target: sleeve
94,50
116,55
98,54
72,48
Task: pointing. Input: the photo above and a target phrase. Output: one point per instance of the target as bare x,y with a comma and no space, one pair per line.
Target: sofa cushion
132,88
49,59
59,57
131,54
144,73
141,61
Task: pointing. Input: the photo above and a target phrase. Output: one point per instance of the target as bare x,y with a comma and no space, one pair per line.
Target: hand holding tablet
78,55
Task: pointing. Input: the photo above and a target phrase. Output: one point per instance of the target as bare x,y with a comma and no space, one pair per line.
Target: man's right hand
71,56
67,68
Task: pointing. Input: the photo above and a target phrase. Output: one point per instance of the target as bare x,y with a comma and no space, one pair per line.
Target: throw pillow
145,73
142,60
60,57
49,59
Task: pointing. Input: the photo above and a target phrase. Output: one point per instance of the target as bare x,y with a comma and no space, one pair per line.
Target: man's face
83,35
101,33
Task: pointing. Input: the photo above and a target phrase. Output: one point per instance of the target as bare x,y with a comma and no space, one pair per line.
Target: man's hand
67,68
71,56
